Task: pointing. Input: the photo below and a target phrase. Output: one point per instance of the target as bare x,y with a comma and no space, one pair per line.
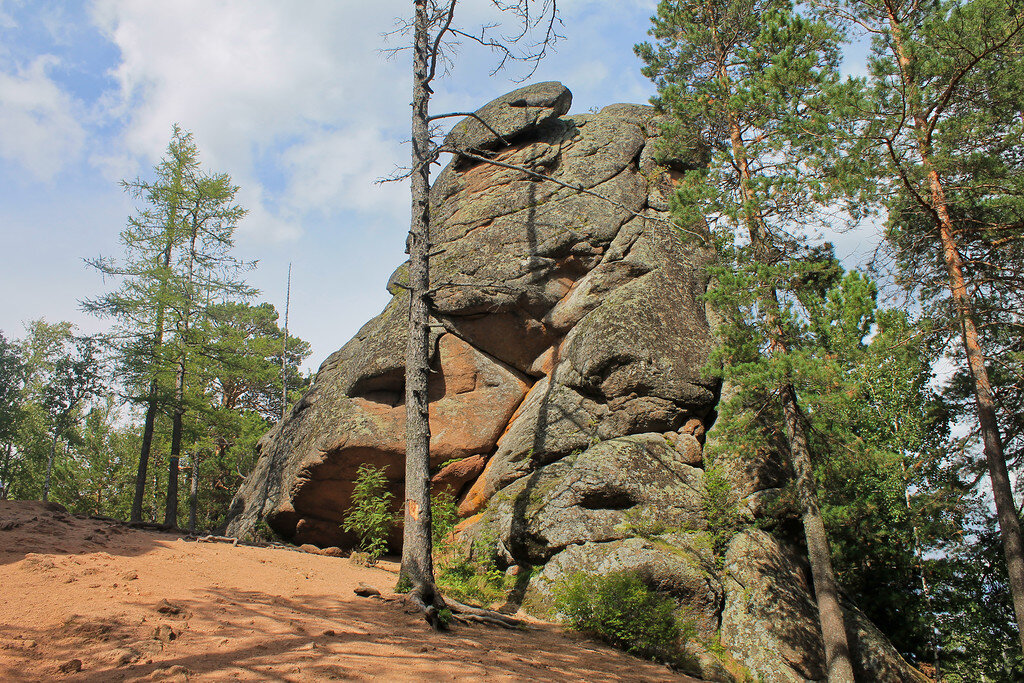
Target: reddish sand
90,600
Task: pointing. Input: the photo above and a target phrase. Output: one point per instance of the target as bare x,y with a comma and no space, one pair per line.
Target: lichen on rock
570,402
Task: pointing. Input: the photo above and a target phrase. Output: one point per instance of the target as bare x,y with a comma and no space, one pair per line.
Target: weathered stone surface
454,476
510,115
570,404
770,620
598,495
304,478
670,564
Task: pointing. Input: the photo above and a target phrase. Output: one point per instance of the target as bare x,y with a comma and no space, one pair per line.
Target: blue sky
294,99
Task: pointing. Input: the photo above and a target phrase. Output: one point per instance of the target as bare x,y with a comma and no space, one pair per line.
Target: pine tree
940,151
747,77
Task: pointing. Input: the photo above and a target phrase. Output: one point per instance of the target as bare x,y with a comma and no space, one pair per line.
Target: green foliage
721,510
973,608
444,516
469,571
370,516
473,581
641,523
620,609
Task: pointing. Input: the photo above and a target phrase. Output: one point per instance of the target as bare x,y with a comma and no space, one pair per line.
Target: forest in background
190,375
929,143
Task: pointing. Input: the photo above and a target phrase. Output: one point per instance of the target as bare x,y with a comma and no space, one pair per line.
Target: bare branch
576,188
471,115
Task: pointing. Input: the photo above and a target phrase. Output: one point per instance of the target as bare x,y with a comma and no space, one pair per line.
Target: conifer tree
177,261
940,150
747,77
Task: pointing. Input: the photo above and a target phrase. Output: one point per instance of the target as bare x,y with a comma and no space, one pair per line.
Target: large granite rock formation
570,404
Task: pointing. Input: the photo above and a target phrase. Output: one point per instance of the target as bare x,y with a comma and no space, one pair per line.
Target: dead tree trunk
417,551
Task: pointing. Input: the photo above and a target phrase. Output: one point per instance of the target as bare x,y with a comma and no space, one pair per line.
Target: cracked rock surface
570,402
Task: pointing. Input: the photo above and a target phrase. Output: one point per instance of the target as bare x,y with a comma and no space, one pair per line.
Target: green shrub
444,515
721,510
620,609
370,516
470,573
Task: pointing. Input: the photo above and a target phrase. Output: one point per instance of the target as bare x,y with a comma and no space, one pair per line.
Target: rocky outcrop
570,401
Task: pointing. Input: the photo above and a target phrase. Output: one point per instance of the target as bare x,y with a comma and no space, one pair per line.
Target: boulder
501,121
570,400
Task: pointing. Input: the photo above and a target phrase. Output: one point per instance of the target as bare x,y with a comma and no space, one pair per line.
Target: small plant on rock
370,516
620,609
721,510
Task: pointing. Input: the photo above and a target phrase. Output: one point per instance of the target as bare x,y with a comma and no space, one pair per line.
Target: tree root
480,615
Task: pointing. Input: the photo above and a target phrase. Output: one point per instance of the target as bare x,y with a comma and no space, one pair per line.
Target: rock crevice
570,400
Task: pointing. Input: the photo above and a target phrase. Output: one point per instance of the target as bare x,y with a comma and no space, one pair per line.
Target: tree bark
417,552
147,444
1002,490
826,591
5,478
171,504
154,388
193,498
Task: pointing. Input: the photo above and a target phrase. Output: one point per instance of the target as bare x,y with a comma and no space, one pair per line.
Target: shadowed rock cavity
570,404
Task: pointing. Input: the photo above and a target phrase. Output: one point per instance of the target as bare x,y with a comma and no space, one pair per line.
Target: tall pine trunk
171,505
154,389
826,591
193,496
417,561
5,478
1002,490
49,465
147,444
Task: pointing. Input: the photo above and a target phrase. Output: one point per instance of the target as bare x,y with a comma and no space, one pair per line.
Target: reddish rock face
570,401
472,398
591,305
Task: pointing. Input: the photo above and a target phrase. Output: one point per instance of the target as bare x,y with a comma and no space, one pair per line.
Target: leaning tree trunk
826,591
417,560
1002,490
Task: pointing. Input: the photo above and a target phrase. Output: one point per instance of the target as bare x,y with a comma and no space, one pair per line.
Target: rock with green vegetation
570,404
605,493
676,565
769,620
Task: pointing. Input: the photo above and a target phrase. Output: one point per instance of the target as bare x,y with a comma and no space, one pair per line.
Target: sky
298,101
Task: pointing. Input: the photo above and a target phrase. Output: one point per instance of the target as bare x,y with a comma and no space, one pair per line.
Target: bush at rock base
619,608
467,573
369,516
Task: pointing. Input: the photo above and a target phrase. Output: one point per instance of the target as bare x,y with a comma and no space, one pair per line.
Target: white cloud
38,128
338,170
264,83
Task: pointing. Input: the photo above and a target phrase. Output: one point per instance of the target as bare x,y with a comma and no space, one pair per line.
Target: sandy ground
90,600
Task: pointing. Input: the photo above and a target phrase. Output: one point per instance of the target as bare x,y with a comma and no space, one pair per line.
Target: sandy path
92,591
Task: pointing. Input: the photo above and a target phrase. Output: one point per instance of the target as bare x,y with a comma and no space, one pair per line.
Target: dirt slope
90,600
